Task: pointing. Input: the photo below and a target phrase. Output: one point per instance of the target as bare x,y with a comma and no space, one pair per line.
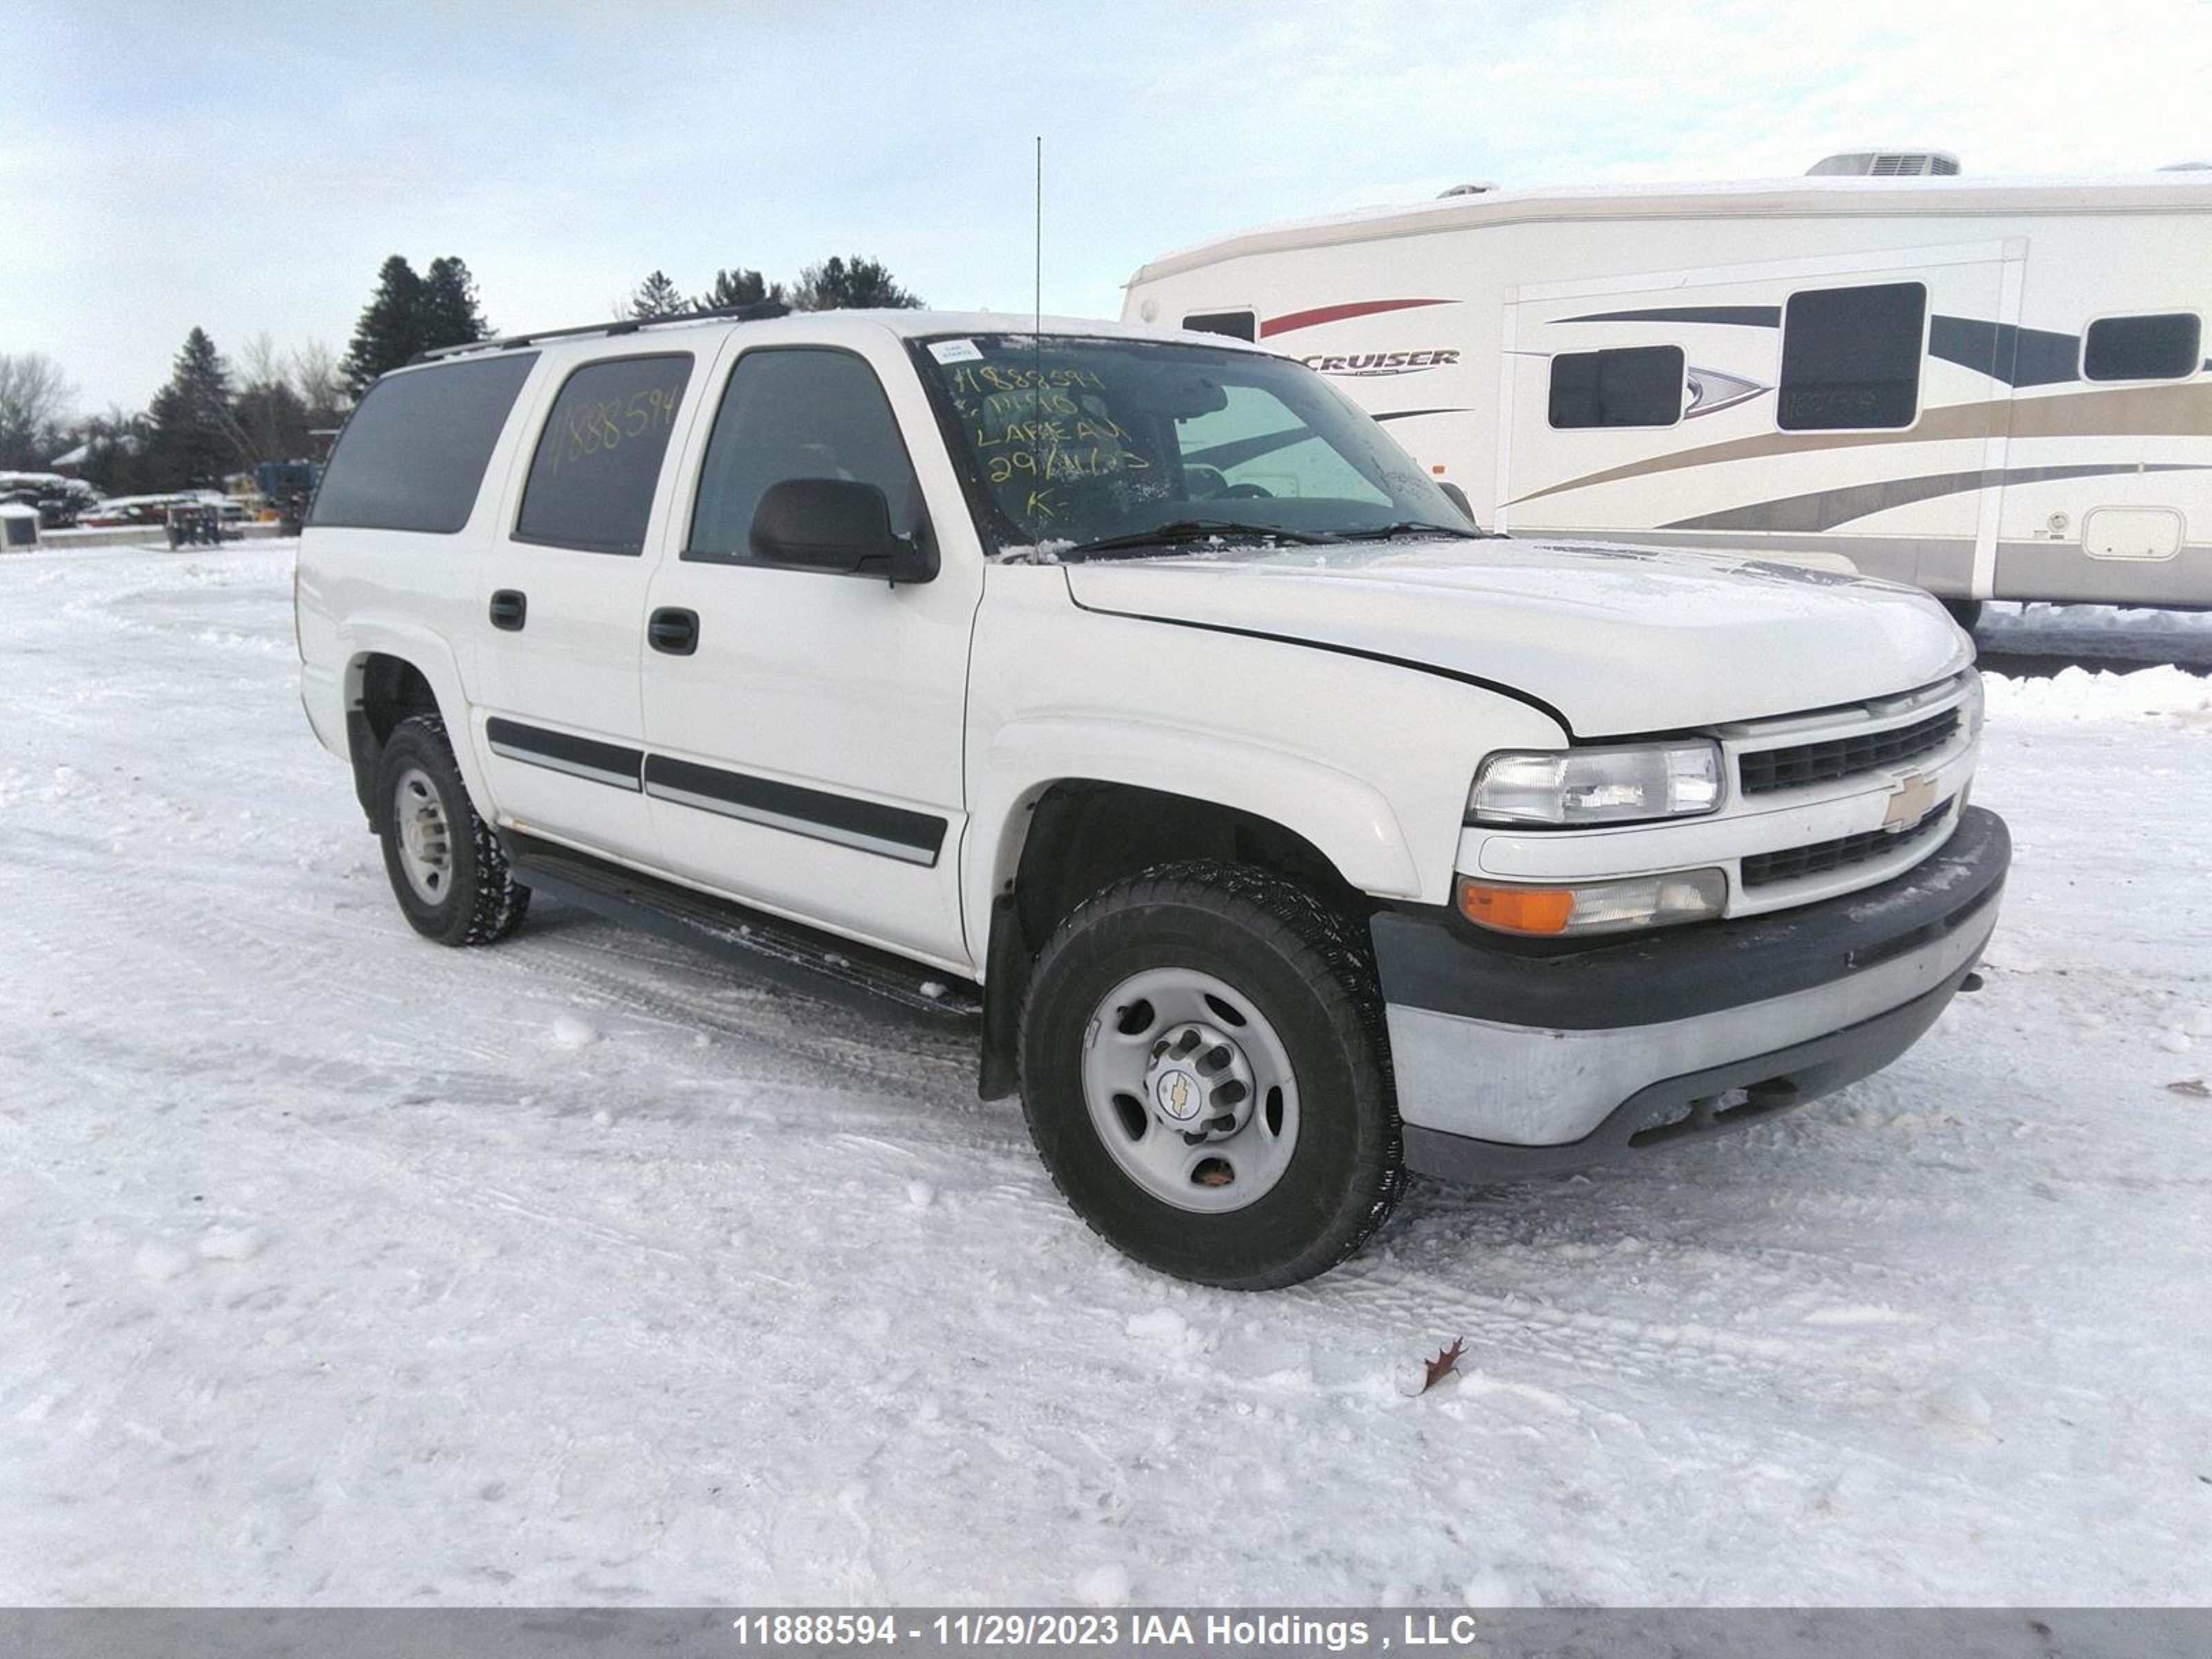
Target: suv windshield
1074,447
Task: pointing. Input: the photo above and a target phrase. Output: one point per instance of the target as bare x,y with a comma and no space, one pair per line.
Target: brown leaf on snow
1444,1364
2192,1086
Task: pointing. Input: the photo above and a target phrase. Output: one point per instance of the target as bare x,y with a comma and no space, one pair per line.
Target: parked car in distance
1134,698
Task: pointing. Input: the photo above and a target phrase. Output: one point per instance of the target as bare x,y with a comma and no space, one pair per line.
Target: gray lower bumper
1731,1096
1519,1095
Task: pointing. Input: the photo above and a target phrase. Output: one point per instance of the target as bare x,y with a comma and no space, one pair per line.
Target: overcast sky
246,167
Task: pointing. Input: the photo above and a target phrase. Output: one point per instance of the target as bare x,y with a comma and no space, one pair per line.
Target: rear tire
445,863
1967,613
1236,996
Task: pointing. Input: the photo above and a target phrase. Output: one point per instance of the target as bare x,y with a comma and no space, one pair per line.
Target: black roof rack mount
759,311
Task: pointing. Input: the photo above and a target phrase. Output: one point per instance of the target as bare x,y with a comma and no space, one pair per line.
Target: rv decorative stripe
1718,316
560,751
1824,509
2123,412
1297,320
868,826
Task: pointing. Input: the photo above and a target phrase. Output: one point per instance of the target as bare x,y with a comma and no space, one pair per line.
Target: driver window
796,412
1254,445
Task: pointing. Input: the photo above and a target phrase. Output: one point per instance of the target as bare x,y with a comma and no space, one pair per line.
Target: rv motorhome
1992,389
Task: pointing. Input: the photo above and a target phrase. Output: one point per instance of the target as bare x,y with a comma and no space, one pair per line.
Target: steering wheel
1246,492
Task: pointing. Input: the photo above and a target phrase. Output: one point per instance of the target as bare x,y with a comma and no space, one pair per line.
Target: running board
788,953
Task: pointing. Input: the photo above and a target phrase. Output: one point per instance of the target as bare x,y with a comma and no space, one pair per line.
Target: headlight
1574,786
1596,907
1970,708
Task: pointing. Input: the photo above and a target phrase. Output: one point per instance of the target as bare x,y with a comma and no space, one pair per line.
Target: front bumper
1514,1059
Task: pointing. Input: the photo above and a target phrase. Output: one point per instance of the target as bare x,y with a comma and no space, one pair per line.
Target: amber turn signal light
1516,909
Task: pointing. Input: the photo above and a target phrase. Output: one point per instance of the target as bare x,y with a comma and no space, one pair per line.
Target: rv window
413,456
2141,347
1851,357
590,483
1633,386
1237,324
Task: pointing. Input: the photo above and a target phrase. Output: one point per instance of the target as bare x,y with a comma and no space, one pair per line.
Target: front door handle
509,606
676,632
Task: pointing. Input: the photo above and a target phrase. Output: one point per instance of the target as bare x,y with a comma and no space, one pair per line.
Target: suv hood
1620,640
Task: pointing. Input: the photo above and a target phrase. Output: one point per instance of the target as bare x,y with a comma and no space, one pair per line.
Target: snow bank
2166,695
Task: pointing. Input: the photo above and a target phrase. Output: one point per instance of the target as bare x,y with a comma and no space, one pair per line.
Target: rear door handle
509,607
676,632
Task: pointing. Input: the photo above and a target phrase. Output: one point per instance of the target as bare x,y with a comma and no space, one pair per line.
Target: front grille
1764,770
1764,869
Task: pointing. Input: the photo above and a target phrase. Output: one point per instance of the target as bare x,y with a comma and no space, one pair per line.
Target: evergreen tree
450,314
272,422
410,313
657,297
117,462
739,287
838,284
195,439
390,327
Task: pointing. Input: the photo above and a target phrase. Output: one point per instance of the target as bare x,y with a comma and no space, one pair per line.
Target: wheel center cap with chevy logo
1178,1095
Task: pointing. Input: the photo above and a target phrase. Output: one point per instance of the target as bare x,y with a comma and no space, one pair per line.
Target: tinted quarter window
1851,357
2142,347
1237,324
797,413
1635,386
591,481
413,456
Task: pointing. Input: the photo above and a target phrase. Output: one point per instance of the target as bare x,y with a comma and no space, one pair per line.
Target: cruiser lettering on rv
1383,362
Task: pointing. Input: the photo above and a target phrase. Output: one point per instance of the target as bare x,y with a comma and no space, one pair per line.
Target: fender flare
432,657
1349,821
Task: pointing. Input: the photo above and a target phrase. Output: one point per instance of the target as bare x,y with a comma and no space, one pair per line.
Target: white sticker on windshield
955,351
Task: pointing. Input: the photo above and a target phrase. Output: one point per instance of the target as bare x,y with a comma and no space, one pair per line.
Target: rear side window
1237,324
413,456
1632,385
599,459
799,412
2142,347
1850,358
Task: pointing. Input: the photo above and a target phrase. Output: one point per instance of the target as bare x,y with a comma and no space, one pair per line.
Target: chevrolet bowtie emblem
1909,802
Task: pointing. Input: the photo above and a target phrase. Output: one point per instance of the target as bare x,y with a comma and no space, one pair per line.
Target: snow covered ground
343,1269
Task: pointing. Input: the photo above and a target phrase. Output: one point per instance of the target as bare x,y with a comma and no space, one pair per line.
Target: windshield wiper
1182,531
1413,527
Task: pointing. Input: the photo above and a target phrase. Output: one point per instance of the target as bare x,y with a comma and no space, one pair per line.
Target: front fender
1348,820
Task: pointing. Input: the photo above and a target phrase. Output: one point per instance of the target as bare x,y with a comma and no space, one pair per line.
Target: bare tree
259,363
35,398
321,385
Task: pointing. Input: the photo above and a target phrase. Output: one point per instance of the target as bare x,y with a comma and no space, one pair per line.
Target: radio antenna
1038,320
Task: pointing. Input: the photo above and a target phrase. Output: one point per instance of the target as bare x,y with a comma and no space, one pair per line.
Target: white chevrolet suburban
1134,698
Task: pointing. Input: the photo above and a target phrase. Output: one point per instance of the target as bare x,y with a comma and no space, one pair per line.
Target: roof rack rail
758,312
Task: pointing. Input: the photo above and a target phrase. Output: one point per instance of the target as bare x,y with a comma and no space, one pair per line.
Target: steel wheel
425,840
1190,1090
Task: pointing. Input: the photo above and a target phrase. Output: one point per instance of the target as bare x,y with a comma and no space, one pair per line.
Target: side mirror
1459,500
839,527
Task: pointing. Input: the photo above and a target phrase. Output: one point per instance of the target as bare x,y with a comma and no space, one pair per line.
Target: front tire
1205,1074
1967,613
445,863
